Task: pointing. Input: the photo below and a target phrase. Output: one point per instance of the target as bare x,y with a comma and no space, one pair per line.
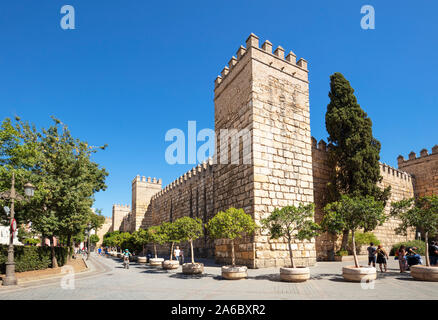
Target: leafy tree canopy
292,221
189,228
230,224
352,148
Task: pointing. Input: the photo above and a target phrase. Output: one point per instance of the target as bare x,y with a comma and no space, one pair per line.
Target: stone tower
424,169
142,191
265,94
120,212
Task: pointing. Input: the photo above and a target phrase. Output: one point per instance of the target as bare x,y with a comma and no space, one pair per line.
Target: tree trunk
344,242
171,251
70,249
191,250
52,249
426,238
290,254
233,258
155,250
143,251
356,262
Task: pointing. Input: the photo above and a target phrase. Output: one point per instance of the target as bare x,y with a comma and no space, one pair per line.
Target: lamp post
29,189
88,241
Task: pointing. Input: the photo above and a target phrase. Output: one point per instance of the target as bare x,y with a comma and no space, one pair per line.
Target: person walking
382,257
177,254
372,254
402,259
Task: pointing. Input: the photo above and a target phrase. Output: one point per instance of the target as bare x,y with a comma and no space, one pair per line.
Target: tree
155,235
171,235
353,151
292,222
60,167
140,238
231,224
421,213
353,213
94,238
112,239
190,229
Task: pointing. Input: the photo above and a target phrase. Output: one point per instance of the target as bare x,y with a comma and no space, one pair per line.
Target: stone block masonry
424,169
276,163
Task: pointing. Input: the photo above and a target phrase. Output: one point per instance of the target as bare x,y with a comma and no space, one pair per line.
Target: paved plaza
108,280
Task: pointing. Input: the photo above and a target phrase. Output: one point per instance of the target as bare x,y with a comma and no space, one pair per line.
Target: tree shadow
181,275
271,277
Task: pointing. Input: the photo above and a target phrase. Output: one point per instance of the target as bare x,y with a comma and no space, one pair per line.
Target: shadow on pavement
181,275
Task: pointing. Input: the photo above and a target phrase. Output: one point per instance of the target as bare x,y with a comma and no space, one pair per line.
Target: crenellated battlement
276,59
121,206
321,145
395,173
199,169
413,156
147,180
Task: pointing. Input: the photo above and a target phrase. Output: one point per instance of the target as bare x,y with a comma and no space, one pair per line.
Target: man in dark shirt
372,254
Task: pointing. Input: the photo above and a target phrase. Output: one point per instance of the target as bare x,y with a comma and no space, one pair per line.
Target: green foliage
363,238
30,241
96,220
60,167
189,228
140,238
352,148
421,245
32,258
292,222
231,224
94,238
170,232
352,213
156,234
421,213
341,253
111,239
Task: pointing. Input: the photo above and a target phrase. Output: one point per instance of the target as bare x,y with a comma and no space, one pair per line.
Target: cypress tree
353,151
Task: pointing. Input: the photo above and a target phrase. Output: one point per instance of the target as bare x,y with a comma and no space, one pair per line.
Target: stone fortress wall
266,94
424,169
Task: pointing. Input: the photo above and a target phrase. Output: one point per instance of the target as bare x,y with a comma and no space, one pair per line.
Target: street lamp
88,245
10,278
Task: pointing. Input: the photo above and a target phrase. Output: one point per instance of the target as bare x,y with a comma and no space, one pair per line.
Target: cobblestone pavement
108,280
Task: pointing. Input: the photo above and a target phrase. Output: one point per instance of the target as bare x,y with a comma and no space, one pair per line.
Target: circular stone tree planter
156,262
193,268
424,273
299,274
142,259
234,273
170,264
351,273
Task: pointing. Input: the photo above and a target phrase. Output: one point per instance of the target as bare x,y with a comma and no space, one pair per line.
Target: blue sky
131,70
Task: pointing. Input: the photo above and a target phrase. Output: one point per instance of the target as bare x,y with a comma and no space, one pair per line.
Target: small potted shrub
422,214
353,213
155,236
292,222
171,236
231,225
339,254
190,229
